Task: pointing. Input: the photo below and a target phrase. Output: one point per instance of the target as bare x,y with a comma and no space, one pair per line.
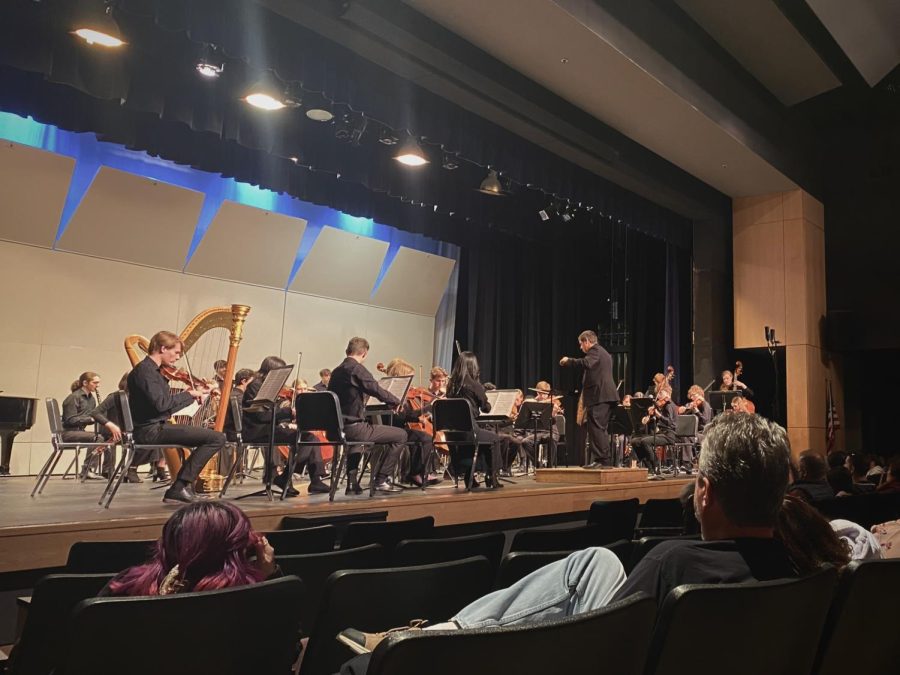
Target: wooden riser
591,476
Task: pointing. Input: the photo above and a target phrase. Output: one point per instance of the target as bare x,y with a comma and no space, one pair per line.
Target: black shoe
592,465
284,483
132,476
179,493
318,487
160,475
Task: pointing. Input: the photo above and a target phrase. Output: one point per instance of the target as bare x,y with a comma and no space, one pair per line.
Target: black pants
82,436
492,448
204,443
420,452
307,457
392,437
597,419
644,447
543,438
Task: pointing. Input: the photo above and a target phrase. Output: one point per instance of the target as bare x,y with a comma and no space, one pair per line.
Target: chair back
339,520
376,600
388,534
747,629
55,418
863,621
618,518
560,539
453,415
52,601
320,411
300,542
125,412
315,568
686,426
519,564
593,642
560,421
235,405
233,631
644,545
623,550
107,557
429,551
662,516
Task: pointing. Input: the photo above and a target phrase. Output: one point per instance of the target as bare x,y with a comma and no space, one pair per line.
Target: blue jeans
582,582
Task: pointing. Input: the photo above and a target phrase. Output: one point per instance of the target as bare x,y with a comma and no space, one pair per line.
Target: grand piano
16,414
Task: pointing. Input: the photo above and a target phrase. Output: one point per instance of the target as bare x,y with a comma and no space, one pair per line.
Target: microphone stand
771,345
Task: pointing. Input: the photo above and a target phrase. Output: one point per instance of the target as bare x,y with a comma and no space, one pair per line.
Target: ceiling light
94,23
491,184
208,65
410,153
319,115
544,215
268,94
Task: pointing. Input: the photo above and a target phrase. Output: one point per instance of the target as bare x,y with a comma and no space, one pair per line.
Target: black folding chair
430,551
747,629
617,518
454,417
54,597
559,539
315,568
300,542
590,643
661,517
388,534
233,631
239,467
321,411
519,564
686,430
58,446
863,621
108,557
130,447
376,600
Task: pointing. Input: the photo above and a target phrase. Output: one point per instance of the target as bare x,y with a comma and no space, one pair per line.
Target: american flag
832,421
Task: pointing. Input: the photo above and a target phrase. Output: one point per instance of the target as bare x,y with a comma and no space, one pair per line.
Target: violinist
220,367
324,379
660,421
698,406
437,382
152,403
258,428
542,394
414,418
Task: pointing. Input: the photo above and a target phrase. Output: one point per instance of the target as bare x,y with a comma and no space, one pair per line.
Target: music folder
502,403
398,386
270,388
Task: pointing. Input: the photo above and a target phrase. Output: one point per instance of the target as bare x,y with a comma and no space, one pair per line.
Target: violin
174,374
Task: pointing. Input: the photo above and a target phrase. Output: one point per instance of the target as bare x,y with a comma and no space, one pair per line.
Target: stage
37,532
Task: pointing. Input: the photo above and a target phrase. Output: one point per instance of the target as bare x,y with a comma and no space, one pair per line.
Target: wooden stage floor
36,533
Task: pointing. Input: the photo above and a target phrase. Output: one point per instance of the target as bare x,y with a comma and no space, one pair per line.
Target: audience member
840,481
808,537
859,467
809,475
837,458
892,484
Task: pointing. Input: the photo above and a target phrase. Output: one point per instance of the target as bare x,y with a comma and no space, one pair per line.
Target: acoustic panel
127,217
341,265
244,243
33,188
415,282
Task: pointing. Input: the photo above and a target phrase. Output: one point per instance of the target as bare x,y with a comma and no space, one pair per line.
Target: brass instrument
198,334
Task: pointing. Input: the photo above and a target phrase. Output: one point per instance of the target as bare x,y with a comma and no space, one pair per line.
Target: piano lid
17,413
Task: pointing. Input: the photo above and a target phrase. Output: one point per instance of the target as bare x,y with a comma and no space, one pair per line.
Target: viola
174,374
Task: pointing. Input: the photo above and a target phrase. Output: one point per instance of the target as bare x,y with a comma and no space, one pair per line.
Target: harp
213,335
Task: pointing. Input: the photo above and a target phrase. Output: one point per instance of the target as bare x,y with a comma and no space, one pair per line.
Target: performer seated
80,410
422,450
465,383
542,394
220,368
258,429
660,422
698,406
324,378
353,383
731,383
153,403
437,382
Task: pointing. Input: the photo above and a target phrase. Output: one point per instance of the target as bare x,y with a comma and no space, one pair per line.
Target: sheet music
189,410
398,386
273,383
502,402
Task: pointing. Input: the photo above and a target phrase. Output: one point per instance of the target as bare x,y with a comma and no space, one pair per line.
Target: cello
749,406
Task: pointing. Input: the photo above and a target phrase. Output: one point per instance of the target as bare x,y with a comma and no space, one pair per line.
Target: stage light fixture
94,23
268,94
544,215
491,184
387,137
208,65
449,162
410,153
566,216
351,128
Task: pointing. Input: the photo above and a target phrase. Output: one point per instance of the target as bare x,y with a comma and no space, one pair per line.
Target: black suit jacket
597,385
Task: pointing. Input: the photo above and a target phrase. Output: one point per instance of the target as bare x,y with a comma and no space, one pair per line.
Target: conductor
598,393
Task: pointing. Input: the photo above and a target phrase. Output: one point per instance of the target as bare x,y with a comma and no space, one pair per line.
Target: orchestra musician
80,409
731,383
542,394
698,406
257,426
152,403
324,378
598,393
437,382
220,368
352,383
465,382
660,421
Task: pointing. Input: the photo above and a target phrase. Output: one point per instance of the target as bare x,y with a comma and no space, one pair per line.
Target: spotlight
449,162
94,23
268,94
320,112
208,65
387,137
491,184
566,216
410,153
544,215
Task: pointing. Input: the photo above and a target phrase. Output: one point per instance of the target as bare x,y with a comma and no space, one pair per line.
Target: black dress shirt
80,409
664,419
258,424
320,386
151,400
352,383
473,391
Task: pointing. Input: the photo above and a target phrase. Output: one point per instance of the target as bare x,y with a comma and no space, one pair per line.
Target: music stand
725,397
640,408
621,423
535,416
266,399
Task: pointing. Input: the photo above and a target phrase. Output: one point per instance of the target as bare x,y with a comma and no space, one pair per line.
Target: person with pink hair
204,546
